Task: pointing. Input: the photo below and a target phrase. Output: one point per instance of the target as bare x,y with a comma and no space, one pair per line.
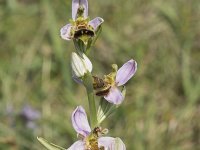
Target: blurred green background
162,107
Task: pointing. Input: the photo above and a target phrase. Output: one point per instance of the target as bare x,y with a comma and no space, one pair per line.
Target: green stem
92,106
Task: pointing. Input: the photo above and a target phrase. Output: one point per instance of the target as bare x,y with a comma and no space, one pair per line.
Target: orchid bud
80,64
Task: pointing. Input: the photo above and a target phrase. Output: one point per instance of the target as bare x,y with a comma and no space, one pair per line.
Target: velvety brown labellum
102,88
103,92
93,141
98,82
82,32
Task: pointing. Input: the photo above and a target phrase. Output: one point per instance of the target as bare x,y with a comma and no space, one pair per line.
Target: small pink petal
106,142
65,32
114,96
80,121
126,72
76,4
96,22
78,145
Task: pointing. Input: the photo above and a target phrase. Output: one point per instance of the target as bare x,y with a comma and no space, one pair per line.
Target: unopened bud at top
80,64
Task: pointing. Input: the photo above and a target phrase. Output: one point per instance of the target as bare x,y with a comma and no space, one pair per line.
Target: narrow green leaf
105,109
48,145
92,41
96,36
88,46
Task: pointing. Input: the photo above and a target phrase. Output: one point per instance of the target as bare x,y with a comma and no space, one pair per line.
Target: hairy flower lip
82,32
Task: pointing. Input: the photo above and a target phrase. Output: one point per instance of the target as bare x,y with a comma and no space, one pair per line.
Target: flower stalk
88,83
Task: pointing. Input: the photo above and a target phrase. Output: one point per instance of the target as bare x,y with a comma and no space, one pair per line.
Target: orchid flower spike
109,85
80,27
91,139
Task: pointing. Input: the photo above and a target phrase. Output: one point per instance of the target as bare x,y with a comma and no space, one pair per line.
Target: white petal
87,63
78,145
65,32
114,96
80,121
80,65
77,65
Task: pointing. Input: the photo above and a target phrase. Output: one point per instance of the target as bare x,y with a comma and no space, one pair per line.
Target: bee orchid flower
90,139
119,78
81,27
